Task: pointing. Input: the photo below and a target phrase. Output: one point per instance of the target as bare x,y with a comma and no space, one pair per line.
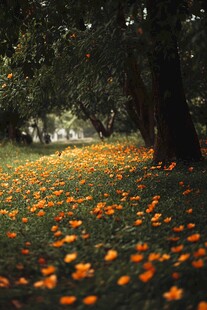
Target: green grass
98,185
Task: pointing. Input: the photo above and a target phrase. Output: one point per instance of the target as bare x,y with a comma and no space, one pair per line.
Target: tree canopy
103,60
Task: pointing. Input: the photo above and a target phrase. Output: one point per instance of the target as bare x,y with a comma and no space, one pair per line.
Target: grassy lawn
99,227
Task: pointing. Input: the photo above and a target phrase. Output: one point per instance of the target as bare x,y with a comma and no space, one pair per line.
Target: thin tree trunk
140,109
141,105
98,125
176,135
39,134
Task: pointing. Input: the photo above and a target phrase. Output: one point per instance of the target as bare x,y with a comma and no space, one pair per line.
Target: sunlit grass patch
100,226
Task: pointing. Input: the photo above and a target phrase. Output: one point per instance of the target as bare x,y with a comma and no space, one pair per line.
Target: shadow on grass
49,149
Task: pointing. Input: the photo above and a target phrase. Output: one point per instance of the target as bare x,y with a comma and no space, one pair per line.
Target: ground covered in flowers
101,227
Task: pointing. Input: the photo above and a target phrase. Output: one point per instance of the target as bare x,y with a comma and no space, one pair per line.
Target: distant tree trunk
176,135
140,109
104,132
11,131
39,133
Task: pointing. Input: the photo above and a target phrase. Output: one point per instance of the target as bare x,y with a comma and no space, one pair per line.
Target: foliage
110,226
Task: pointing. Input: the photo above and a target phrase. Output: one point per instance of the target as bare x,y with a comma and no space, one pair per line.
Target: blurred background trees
94,59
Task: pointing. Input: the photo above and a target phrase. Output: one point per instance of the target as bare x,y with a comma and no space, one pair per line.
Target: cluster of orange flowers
117,162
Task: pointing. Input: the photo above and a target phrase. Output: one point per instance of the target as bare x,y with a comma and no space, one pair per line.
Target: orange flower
58,193
156,224
70,238
141,186
109,212
191,225
90,300
123,280
70,257
119,176
178,229
187,192
194,238
111,255
202,305
49,282
153,256
189,211
174,293
82,271
41,213
175,275
164,257
85,236
58,244
142,247
146,276
22,281
4,282
198,263
50,204
25,251
24,220
167,219
137,222
200,252
183,257
177,249
11,235
82,182
135,198
136,258
88,55
48,270
75,223
10,75
67,300
41,261
149,266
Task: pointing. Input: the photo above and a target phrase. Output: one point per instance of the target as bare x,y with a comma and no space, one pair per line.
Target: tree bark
176,134
140,109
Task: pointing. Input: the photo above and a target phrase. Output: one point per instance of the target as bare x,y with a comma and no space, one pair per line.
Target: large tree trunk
176,135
